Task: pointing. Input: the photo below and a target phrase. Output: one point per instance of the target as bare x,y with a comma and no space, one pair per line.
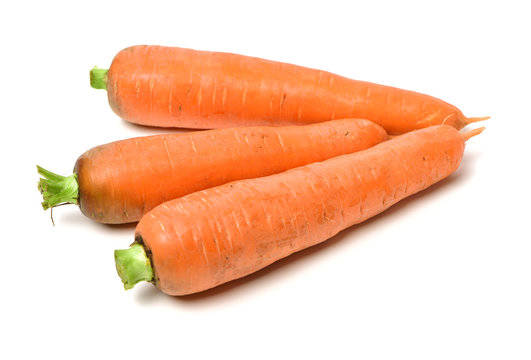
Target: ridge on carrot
177,87
216,235
119,182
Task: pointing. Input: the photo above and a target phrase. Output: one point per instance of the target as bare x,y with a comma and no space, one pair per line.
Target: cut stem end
98,78
57,189
133,265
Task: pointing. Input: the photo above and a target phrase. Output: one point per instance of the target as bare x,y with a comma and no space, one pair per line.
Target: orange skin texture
121,181
223,233
176,87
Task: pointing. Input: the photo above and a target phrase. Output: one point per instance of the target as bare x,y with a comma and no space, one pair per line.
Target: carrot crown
57,189
98,78
133,265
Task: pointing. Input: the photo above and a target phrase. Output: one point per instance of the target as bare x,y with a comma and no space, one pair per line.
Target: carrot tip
98,78
57,189
468,134
133,265
471,120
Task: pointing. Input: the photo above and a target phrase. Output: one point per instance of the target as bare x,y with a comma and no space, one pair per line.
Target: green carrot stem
57,189
98,78
133,265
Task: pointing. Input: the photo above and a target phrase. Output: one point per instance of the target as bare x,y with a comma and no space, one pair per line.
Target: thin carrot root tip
57,189
471,120
133,266
98,78
467,135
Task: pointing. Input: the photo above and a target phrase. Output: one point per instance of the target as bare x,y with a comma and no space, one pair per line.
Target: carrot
119,182
176,87
223,233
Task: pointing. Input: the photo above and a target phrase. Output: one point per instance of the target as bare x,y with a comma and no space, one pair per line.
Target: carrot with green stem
212,236
121,181
176,87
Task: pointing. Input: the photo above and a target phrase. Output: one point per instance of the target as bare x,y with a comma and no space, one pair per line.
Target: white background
443,275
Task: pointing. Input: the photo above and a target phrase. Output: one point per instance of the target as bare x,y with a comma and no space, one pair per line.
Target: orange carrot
223,233
175,87
119,182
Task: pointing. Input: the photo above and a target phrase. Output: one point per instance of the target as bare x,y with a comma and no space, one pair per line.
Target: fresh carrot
223,233
119,182
176,87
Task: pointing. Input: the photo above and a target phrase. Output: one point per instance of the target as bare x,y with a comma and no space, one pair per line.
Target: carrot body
121,181
223,233
176,87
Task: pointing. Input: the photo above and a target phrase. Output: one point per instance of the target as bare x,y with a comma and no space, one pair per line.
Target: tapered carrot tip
468,134
57,189
133,265
98,78
471,120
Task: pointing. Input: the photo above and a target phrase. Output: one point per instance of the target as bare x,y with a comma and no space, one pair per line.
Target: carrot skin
223,233
176,87
121,181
